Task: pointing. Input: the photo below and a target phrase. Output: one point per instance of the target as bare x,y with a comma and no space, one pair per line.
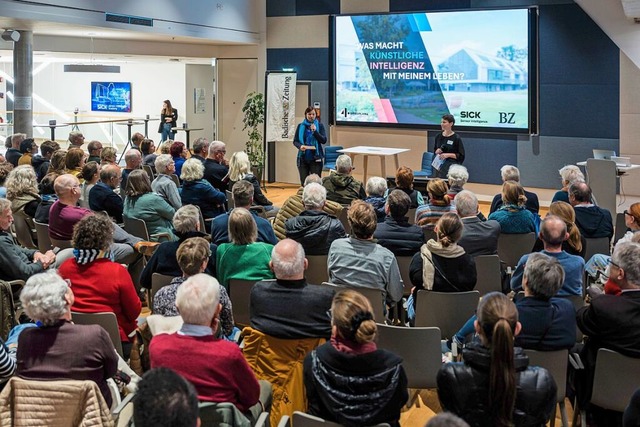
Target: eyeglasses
68,282
614,264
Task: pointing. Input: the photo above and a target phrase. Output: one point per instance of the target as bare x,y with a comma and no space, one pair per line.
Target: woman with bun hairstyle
495,386
348,379
513,216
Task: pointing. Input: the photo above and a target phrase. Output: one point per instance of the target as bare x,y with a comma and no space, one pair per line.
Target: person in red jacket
99,284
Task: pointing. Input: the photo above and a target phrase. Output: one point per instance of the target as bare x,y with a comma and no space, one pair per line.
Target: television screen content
111,96
411,68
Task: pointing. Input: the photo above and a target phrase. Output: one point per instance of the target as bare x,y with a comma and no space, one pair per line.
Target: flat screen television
111,96
408,69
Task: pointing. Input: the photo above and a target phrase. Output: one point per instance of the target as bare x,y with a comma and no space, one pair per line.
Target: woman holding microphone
308,139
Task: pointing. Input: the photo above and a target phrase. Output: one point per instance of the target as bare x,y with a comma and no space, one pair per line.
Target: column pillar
23,84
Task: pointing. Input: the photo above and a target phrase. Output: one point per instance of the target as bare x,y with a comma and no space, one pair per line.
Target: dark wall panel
309,63
317,7
422,5
281,8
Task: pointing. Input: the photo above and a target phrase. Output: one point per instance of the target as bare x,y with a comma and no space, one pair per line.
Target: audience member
592,221
512,173
289,307
358,261
513,216
478,237
494,386
28,148
216,167
148,149
141,203
186,223
99,284
457,177
341,186
95,149
569,174
74,161
5,169
13,153
439,203
404,182
242,198
76,139
165,147
136,140
48,198
294,205
197,191
57,163
133,160
240,168
179,155
243,258
165,399
376,189
575,244
90,175
7,364
553,231
395,233
22,191
108,156
215,367
313,228
200,149
163,185
193,256
103,197
349,380
41,163
59,349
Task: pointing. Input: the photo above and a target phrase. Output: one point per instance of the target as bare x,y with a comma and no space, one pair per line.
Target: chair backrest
412,215
23,230
578,302
221,414
136,227
620,227
404,262
615,380
108,322
556,363
149,170
488,273
511,247
601,177
61,244
240,295
343,219
317,272
302,419
445,310
44,241
429,233
158,281
230,203
175,179
427,159
598,245
420,350
123,413
331,155
374,295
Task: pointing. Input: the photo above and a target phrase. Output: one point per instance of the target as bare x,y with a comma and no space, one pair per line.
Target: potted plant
253,120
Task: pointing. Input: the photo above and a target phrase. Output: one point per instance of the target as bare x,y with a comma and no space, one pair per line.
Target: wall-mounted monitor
408,69
111,96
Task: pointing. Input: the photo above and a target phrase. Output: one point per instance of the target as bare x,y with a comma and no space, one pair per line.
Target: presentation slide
111,96
410,69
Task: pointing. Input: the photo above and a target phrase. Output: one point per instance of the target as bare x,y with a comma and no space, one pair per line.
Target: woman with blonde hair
108,156
513,216
348,379
141,203
22,190
74,162
57,163
240,168
575,244
494,386
438,204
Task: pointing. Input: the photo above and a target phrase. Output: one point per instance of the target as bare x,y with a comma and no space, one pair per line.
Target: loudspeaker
11,35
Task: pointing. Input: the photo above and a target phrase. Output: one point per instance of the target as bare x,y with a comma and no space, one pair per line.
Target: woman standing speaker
308,139
168,120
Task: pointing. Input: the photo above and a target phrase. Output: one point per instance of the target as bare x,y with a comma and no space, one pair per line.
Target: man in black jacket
478,237
216,167
103,198
592,220
314,229
395,233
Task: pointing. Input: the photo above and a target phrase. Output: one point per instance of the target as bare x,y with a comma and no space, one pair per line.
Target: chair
511,247
175,179
44,241
330,156
425,168
420,350
149,170
230,203
620,227
429,234
598,245
374,295
123,413
240,295
22,226
446,310
578,302
137,227
404,262
488,273
158,281
221,414
411,214
61,244
601,177
317,272
301,419
556,363
615,380
108,322
343,219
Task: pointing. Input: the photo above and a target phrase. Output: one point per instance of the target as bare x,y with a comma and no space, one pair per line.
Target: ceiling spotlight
11,35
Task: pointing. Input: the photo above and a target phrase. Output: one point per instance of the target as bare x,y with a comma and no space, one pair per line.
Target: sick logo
470,114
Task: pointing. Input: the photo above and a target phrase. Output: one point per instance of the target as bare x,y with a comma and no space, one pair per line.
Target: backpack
7,310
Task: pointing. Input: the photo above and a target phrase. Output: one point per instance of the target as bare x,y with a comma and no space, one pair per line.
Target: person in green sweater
243,258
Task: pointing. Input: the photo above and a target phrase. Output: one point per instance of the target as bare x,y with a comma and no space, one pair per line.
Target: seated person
215,367
349,380
193,256
102,196
244,258
479,237
242,194
99,284
358,261
395,233
494,371
48,195
513,216
568,175
457,177
439,203
404,182
512,173
186,224
592,220
216,167
197,191
22,191
156,389
376,189
341,186
289,307
59,349
163,185
314,229
148,149
575,244
240,168
91,175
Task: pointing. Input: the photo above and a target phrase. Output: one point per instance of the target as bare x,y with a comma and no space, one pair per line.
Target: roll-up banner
280,105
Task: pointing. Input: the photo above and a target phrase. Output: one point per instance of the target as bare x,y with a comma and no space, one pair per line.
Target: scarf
428,267
345,345
87,256
306,138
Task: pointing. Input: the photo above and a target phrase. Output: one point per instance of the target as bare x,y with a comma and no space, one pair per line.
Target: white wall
199,76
